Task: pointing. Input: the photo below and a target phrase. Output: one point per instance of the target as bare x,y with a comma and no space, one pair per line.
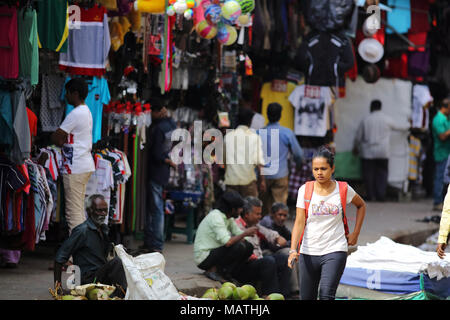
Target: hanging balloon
227,35
212,14
225,21
191,4
231,10
170,11
206,30
247,6
180,7
172,1
188,14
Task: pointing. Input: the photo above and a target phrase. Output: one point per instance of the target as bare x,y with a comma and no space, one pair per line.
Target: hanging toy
206,30
227,35
188,14
150,6
231,10
244,20
212,14
170,11
247,6
180,6
184,7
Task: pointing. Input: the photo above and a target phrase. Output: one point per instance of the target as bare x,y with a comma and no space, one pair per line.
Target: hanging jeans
438,186
325,270
154,220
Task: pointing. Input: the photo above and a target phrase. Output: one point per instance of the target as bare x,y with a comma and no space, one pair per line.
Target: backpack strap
343,188
309,188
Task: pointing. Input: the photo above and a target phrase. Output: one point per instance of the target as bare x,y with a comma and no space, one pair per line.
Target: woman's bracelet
292,251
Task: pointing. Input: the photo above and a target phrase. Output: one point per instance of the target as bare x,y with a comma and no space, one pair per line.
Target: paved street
32,279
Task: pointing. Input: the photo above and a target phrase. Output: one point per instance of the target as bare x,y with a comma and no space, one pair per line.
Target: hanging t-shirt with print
324,231
311,108
98,95
76,152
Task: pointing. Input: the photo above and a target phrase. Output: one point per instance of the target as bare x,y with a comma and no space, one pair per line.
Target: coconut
275,296
211,294
240,294
250,290
226,293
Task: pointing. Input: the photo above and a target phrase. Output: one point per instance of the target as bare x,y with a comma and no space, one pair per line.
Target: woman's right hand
293,257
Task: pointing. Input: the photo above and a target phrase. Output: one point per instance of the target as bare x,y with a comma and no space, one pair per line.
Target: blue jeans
154,219
325,271
438,196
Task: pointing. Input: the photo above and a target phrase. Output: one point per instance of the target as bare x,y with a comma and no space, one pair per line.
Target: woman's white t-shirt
324,231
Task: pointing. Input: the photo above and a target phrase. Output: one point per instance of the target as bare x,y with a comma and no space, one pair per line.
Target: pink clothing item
9,43
10,256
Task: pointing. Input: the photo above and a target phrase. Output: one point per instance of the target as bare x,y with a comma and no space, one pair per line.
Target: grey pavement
396,220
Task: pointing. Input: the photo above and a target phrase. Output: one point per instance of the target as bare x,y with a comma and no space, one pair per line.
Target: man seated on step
89,246
219,246
271,270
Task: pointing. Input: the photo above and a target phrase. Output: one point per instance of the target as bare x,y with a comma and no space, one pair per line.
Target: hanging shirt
52,108
28,45
400,17
270,94
53,24
324,231
311,110
98,95
77,150
9,43
88,45
32,123
420,114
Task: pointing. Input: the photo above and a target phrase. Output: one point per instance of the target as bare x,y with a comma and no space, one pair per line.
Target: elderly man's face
253,217
279,217
99,211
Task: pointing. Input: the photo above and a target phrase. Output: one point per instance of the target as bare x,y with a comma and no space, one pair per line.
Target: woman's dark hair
78,85
324,152
230,200
274,112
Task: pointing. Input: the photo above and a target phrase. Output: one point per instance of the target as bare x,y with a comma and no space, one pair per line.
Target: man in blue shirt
276,157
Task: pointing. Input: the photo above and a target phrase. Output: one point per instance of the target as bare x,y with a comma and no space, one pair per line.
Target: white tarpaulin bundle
395,268
386,254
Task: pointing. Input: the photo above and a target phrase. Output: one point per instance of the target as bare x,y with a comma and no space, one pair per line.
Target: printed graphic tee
76,152
311,109
324,231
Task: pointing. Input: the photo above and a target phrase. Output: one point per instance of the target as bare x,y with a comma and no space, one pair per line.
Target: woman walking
320,237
